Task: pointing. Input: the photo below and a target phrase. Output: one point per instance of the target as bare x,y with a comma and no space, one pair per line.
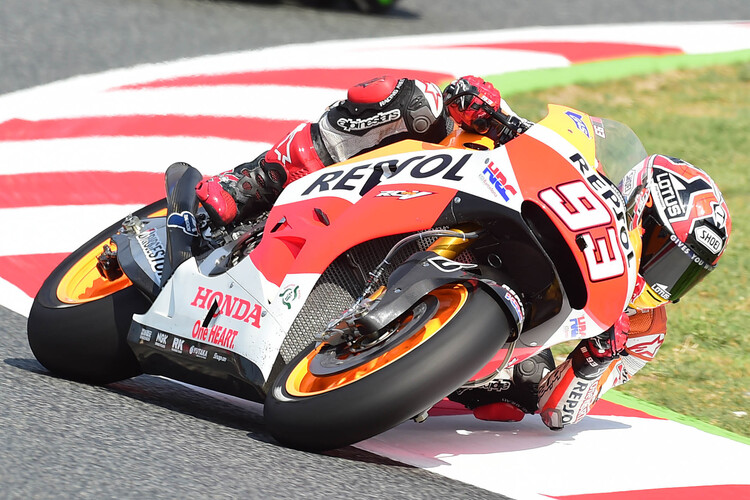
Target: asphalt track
152,438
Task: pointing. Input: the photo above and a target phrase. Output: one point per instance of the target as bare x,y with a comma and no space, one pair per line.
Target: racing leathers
375,113
596,365
383,111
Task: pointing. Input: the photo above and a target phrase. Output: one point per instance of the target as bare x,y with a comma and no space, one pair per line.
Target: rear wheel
78,324
332,396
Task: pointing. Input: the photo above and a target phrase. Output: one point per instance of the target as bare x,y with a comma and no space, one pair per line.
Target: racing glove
467,110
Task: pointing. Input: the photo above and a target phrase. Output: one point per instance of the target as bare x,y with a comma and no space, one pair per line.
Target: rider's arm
568,392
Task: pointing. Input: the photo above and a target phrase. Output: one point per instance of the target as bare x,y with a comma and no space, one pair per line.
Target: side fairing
402,190
587,210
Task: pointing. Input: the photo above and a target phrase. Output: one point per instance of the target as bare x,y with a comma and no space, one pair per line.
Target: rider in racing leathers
683,235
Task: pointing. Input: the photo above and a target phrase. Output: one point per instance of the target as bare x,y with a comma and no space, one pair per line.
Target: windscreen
617,147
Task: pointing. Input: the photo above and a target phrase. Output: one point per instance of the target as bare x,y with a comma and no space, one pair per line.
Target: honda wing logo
449,266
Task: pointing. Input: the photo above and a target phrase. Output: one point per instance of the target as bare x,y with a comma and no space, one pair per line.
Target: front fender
426,271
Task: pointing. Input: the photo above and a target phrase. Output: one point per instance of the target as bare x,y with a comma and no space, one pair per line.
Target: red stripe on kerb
310,77
720,491
607,408
578,52
238,128
28,272
601,408
80,188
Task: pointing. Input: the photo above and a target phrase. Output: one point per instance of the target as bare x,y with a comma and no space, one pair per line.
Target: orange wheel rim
84,283
301,382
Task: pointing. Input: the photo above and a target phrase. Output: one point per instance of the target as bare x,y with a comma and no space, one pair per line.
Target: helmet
684,222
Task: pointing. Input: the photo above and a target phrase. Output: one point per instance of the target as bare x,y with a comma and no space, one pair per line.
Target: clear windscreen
617,148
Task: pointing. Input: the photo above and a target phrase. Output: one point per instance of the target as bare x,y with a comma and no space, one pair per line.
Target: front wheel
79,321
333,396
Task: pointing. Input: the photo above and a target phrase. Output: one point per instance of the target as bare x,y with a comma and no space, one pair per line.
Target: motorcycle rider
677,208
684,225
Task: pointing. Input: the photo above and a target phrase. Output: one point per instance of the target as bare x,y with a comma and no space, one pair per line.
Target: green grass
702,116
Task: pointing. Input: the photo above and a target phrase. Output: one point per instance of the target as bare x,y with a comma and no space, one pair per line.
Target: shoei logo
708,239
354,124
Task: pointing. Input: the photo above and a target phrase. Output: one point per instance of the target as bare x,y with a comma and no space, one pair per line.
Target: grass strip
600,71
661,412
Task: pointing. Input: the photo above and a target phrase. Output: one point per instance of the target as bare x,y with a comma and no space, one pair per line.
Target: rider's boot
509,399
249,189
252,188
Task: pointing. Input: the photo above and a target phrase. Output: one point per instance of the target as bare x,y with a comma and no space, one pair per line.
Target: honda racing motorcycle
370,291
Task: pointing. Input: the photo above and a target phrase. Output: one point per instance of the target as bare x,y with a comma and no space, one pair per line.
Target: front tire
78,324
314,405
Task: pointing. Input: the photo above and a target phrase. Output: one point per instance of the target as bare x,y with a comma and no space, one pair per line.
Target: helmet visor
668,265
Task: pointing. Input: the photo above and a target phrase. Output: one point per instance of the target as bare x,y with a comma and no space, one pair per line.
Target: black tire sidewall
394,393
86,341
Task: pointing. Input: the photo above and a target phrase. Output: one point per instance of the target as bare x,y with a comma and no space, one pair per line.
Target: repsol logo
365,177
604,188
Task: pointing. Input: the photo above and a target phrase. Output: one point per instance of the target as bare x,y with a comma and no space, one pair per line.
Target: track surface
148,437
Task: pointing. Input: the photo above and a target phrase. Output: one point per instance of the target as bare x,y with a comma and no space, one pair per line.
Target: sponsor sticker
178,344
146,335
496,180
580,124
447,265
154,250
708,239
403,195
376,120
598,126
577,327
228,305
198,352
289,295
185,221
161,339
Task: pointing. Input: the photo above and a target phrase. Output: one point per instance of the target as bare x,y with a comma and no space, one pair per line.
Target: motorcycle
371,290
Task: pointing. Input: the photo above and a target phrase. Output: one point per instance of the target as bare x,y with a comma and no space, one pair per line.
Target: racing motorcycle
370,291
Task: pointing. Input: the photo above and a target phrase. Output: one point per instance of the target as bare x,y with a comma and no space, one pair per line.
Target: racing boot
252,188
509,399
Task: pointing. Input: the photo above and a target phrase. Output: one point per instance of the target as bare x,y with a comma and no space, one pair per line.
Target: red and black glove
611,343
471,94
592,356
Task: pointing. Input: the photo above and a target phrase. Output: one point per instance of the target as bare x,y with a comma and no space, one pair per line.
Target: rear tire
85,339
301,411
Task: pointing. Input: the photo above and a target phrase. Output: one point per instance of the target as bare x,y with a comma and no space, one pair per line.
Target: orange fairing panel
580,207
305,237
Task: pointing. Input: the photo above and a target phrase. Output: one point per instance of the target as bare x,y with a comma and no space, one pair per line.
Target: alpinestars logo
378,119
